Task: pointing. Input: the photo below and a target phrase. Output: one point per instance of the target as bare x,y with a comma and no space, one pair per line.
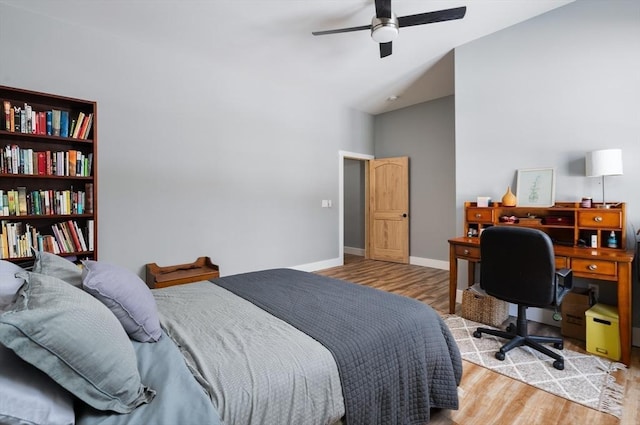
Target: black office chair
517,265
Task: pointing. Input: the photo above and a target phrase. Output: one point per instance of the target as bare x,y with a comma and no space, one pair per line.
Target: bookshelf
48,181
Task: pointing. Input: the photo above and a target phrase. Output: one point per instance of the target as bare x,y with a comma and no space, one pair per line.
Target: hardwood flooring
486,397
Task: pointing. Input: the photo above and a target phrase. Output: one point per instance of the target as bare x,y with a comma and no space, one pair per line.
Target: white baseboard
319,265
354,251
427,262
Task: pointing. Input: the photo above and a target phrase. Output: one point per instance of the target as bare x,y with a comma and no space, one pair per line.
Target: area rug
590,380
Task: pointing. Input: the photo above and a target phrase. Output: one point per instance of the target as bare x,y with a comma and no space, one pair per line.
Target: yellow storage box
603,332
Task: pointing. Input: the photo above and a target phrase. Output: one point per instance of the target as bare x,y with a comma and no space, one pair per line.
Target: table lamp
601,163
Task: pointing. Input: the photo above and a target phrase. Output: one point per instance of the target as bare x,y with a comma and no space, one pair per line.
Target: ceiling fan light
384,30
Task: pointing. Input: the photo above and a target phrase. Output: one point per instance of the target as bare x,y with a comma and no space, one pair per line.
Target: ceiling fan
385,25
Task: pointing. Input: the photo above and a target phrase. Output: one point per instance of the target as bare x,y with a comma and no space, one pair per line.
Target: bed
276,346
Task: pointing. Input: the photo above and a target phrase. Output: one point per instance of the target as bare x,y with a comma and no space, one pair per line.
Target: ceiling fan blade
431,17
385,49
360,28
383,8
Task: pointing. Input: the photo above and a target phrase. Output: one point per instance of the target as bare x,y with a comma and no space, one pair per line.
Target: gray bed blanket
396,357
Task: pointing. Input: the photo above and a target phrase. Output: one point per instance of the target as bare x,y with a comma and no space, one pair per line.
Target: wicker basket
484,308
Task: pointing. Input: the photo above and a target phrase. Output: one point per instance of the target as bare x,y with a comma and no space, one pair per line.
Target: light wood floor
486,397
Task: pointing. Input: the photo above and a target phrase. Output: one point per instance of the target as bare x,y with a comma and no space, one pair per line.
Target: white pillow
9,283
27,395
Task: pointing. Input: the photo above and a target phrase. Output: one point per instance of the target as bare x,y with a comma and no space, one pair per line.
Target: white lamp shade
604,162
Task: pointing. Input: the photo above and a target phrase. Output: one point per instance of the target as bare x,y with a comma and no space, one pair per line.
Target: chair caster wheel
559,364
477,334
511,327
500,356
558,345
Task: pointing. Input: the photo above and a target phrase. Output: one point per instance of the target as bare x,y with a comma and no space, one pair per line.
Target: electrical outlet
595,288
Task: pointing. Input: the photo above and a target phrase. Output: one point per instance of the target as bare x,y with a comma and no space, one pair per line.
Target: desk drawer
596,267
600,219
480,215
562,263
472,252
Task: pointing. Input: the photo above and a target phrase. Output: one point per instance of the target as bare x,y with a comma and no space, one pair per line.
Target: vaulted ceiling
274,37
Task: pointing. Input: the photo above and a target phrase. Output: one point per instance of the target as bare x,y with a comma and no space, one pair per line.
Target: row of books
55,122
21,202
17,160
19,240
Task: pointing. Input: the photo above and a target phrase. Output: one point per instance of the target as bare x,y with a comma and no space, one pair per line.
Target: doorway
356,160
374,203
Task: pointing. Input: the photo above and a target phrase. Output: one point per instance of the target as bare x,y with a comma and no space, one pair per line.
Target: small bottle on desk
612,242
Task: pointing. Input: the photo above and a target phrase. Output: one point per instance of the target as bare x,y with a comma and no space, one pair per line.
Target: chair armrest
567,277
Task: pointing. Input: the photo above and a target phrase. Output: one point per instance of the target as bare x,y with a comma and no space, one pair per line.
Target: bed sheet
257,368
179,397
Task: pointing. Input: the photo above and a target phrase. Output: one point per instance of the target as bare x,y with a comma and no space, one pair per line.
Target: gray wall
541,94
196,157
426,134
354,203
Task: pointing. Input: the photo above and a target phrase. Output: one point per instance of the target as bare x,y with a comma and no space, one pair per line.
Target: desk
600,264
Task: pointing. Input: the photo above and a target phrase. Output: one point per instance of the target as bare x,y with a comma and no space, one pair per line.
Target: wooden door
389,209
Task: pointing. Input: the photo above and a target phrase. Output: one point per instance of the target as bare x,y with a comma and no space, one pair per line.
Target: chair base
518,336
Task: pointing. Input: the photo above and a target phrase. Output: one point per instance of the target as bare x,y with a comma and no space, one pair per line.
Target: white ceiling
274,38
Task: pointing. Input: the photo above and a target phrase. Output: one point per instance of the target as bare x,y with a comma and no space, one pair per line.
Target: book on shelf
42,163
72,126
72,162
49,125
42,122
70,230
12,196
23,121
64,123
5,203
5,240
86,127
88,189
90,235
28,121
17,116
81,237
7,115
55,119
22,200
79,123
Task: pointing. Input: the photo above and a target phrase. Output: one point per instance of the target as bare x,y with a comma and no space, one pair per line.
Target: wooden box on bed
161,277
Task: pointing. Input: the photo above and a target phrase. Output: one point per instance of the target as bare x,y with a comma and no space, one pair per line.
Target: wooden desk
600,264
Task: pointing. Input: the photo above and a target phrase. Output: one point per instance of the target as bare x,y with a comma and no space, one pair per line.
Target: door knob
404,215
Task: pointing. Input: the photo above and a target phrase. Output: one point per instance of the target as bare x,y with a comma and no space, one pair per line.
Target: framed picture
536,187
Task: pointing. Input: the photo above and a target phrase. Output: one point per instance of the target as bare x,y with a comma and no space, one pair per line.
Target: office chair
517,265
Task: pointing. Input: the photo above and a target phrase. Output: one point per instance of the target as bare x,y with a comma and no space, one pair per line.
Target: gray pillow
75,340
9,283
127,296
57,266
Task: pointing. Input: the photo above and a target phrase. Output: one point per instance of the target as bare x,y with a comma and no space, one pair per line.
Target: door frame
342,155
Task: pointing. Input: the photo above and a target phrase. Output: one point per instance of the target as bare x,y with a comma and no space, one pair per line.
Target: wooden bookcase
38,166
567,223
